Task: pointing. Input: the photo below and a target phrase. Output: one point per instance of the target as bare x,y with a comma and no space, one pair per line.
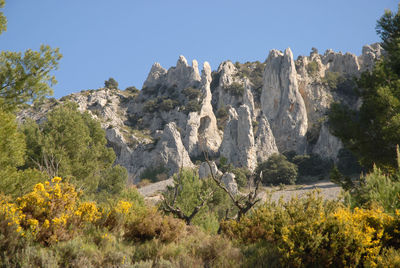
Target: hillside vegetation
65,202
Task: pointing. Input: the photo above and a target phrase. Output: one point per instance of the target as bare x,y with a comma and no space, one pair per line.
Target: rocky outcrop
170,151
202,133
327,145
205,171
238,140
282,103
264,140
228,179
267,112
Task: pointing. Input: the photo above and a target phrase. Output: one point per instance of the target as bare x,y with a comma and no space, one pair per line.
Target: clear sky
123,38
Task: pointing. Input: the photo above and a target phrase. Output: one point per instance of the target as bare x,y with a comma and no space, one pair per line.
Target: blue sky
123,38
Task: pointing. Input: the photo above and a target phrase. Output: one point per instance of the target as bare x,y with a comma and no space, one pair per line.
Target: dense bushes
73,145
309,231
277,169
52,227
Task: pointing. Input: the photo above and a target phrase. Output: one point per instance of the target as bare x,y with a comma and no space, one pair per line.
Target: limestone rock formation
282,103
230,183
205,171
238,140
170,150
172,121
264,140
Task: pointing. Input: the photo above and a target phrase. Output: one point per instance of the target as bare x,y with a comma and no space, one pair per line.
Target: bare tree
244,202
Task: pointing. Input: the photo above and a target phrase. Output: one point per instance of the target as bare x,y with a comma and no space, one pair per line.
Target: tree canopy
73,145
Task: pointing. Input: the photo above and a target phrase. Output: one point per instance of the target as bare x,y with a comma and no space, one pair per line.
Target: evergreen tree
373,131
111,83
73,145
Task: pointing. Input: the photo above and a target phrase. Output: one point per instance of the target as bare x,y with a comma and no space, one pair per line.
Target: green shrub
111,83
254,72
150,106
132,89
193,106
376,188
332,79
235,89
222,117
312,68
192,93
154,174
277,169
168,105
241,176
310,232
347,163
151,224
312,165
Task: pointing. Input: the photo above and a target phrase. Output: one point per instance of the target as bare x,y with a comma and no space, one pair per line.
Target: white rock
230,183
282,103
205,171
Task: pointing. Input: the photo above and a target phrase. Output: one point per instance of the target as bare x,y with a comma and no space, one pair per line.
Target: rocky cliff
244,112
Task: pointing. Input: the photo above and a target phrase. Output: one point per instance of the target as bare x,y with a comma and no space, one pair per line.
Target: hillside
244,111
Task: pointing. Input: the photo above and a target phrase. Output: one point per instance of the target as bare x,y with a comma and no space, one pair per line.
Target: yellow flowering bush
116,217
50,213
310,231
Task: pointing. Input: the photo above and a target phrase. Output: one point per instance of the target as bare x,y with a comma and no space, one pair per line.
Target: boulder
230,183
205,171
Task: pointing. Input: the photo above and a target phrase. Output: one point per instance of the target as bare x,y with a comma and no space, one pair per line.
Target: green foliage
222,117
192,93
3,20
241,176
377,188
12,152
347,163
111,83
373,131
12,143
73,145
312,165
344,181
215,80
26,78
277,169
132,89
168,105
150,106
254,72
312,68
191,192
193,106
155,174
310,232
235,89
332,79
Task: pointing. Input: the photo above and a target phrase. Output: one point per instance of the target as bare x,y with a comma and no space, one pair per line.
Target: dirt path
327,189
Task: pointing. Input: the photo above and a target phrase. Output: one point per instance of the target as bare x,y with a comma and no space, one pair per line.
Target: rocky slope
244,112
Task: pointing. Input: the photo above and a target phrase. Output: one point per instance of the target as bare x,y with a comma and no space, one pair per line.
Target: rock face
170,150
238,141
205,171
264,141
282,103
244,112
230,183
